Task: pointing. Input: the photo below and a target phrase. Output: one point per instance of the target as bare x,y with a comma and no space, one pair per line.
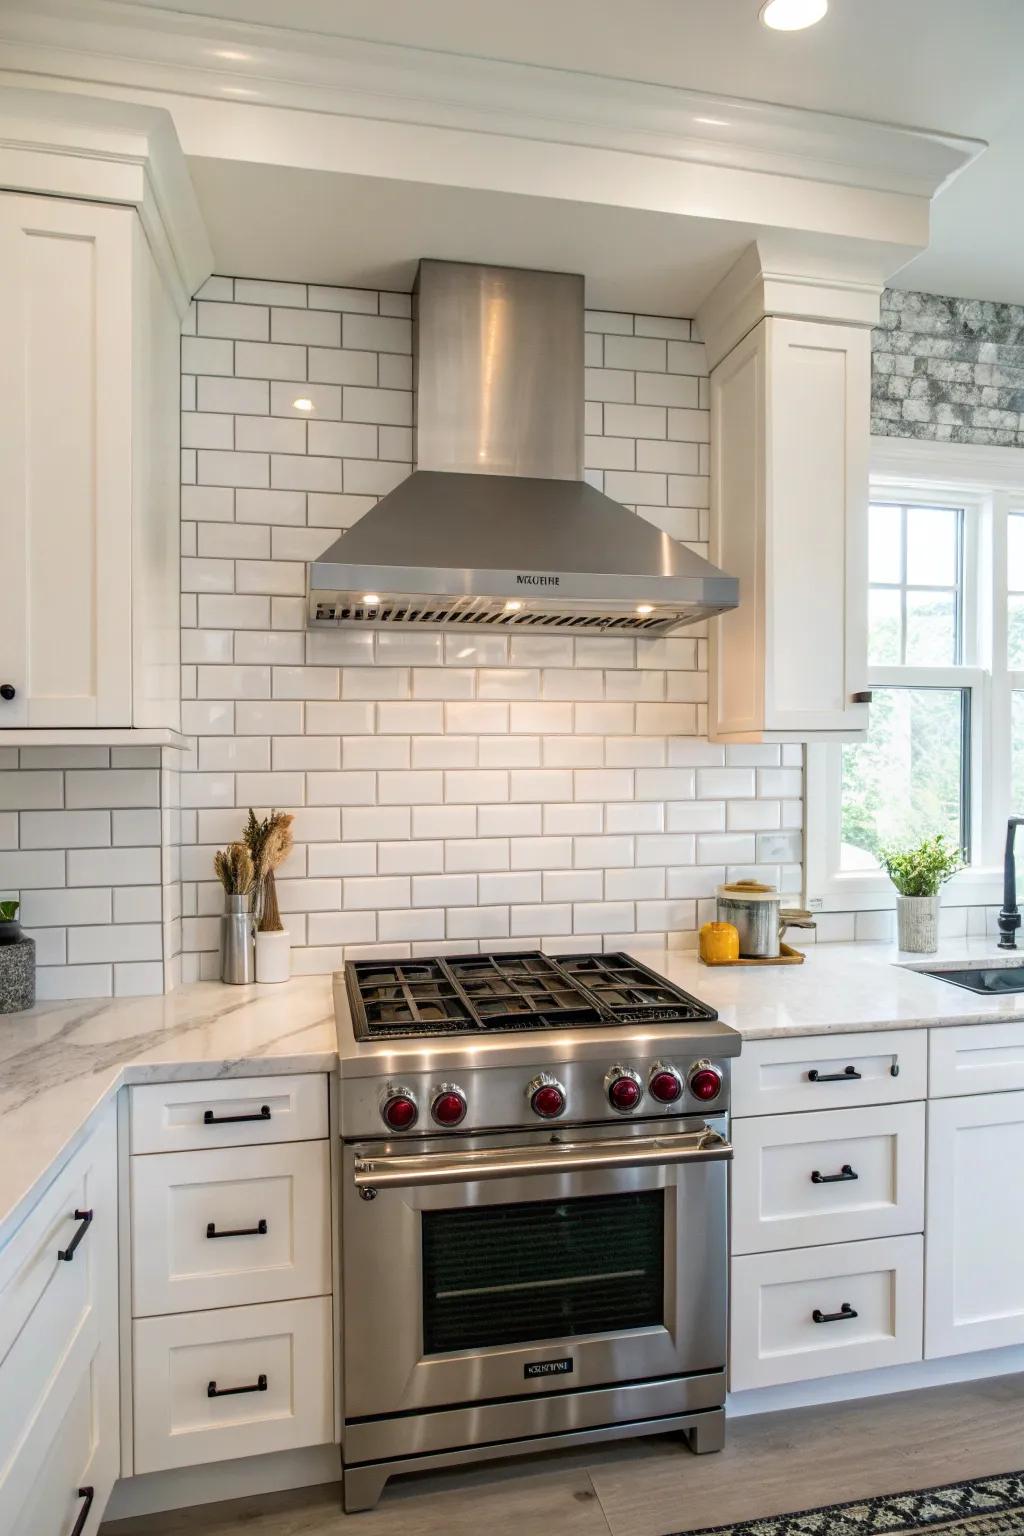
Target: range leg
708,1434
362,1487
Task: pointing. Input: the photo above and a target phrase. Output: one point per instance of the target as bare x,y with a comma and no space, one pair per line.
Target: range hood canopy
496,527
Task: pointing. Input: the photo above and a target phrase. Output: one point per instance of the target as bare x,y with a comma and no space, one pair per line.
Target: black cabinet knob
7,691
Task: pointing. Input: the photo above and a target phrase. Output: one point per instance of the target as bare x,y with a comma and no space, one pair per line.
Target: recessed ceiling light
645,608
792,15
513,604
302,404
371,599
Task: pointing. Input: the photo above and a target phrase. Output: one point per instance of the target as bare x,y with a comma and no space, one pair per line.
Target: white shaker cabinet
974,1276
59,1419
790,434
88,470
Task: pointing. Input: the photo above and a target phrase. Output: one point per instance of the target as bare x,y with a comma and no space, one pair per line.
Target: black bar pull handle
209,1118
845,1311
844,1176
68,1253
848,1074
88,1494
259,1230
259,1385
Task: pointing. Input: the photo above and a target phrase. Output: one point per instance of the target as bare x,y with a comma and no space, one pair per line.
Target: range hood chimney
496,527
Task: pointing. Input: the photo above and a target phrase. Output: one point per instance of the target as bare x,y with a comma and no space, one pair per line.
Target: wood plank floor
771,1464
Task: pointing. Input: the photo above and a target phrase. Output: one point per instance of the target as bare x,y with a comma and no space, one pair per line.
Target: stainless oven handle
704,1146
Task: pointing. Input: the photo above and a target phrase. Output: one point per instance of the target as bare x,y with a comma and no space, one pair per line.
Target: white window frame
989,484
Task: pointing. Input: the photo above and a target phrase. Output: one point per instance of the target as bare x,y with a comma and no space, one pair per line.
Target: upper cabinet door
65,462
790,434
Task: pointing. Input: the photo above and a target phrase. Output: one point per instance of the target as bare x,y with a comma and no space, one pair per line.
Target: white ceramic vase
917,922
273,956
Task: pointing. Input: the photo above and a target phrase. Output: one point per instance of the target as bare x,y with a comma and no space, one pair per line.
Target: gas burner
499,994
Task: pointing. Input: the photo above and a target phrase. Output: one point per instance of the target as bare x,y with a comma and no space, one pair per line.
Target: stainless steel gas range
534,1206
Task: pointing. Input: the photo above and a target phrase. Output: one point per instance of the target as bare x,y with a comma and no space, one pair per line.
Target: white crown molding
172,51
753,289
968,466
63,144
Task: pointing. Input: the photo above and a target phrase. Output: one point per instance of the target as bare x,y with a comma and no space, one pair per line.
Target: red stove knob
399,1111
704,1081
623,1088
546,1095
664,1083
449,1105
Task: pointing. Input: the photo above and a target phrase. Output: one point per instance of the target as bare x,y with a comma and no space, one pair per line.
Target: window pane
933,546
884,626
885,556
1017,755
931,629
1015,551
1015,632
908,780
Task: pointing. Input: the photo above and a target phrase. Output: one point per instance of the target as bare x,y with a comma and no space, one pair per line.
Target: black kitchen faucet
1009,918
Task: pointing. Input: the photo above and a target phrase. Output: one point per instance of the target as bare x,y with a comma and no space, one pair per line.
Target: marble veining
60,1063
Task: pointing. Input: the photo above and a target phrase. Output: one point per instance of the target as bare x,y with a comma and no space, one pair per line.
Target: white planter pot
917,921
273,956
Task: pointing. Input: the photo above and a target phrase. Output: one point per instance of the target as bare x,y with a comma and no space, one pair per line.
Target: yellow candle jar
719,943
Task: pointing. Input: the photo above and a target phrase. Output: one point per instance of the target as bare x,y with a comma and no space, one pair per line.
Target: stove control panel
597,1088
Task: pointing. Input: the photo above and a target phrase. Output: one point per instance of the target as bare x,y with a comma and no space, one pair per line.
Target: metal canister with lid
753,909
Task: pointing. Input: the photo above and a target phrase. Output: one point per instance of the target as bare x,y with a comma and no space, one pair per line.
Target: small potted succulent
10,928
17,962
919,874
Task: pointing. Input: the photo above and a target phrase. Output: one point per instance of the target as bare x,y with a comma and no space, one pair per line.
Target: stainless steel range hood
496,526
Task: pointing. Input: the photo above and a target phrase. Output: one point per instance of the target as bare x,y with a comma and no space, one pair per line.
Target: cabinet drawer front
775,1296
793,1181
52,1311
975,1058
272,1202
830,1072
287,1345
231,1112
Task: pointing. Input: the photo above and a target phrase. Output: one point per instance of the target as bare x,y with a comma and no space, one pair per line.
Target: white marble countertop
60,1063
842,987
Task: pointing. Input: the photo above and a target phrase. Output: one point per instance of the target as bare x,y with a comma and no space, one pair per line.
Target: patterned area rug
987,1506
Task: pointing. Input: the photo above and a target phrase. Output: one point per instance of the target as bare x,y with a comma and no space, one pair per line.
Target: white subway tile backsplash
449,790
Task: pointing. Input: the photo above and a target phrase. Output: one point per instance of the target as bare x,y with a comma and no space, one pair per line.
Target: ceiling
953,65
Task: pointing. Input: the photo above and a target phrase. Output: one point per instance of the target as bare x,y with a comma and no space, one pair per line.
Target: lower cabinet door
75,1478
821,1311
974,1285
210,1386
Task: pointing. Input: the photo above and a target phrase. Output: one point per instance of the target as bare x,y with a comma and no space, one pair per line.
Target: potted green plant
919,874
10,928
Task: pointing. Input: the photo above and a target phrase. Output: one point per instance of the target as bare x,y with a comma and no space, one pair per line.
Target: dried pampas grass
269,843
234,869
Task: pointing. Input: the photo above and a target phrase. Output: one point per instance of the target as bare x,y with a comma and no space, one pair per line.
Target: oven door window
545,1269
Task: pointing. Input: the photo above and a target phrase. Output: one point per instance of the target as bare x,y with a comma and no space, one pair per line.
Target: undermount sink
991,979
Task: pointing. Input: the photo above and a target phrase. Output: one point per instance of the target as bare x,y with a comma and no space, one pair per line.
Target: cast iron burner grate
496,994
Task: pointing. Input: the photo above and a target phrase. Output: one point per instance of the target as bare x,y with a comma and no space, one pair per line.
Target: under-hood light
371,599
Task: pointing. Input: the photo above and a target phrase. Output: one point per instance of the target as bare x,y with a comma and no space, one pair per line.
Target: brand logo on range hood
539,581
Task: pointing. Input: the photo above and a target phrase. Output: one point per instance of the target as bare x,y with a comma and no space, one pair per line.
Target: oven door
502,1266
